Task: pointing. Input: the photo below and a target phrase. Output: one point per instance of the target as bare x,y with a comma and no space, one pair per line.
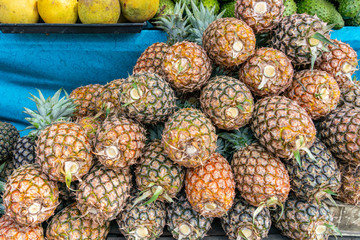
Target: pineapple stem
264,80
298,157
70,169
145,195
159,190
333,228
244,233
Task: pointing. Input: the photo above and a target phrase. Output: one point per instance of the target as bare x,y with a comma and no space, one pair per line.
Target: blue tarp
51,62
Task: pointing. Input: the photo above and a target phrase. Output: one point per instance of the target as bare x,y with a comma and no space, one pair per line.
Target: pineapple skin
224,94
186,66
212,183
260,22
252,72
189,138
8,137
316,91
10,230
259,175
7,170
147,98
220,37
61,143
26,190
107,102
70,224
90,125
350,185
103,193
240,216
156,168
350,94
279,123
126,135
85,97
24,151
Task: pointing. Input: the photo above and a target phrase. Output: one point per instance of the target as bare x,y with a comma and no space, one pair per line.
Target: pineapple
303,38
90,125
189,138
64,152
283,127
339,131
85,98
316,178
147,98
69,224
8,169
103,193
10,230
261,178
158,176
30,197
142,221
24,151
268,72
302,220
350,185
227,102
119,142
240,224
210,188
229,41
8,137
351,94
316,91
184,223
107,102
340,61
261,15
151,59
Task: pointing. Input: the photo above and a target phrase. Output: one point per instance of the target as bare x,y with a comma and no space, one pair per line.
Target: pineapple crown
49,111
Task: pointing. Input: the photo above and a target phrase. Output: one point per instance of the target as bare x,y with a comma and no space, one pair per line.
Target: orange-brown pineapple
10,230
85,97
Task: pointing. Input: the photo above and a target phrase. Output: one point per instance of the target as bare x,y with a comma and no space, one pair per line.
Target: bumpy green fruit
209,4
349,8
353,21
290,7
229,8
166,7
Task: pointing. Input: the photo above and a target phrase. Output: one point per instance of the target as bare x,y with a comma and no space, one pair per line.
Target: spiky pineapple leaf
322,38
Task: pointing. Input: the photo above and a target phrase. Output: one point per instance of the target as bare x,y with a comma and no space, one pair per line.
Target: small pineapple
316,91
350,185
184,223
261,15
30,197
210,188
147,98
24,151
8,137
85,98
10,230
103,193
119,142
240,224
70,224
267,72
7,170
189,138
90,125
227,102
107,102
351,94
229,41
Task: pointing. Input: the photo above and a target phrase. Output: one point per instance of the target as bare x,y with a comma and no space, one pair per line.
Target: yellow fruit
99,11
139,10
58,11
18,11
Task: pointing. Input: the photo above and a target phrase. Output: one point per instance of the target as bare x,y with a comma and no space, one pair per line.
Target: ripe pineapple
151,59
261,178
64,152
298,37
303,220
267,72
184,223
85,97
90,125
240,224
339,131
103,193
351,94
350,185
227,102
10,230
261,15
70,224
147,98
8,137
316,91
158,176
229,41
210,188
119,142
30,197
189,138
24,151
142,221
317,178
107,102
282,127
340,61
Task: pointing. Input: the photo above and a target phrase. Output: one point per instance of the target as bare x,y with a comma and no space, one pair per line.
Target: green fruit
209,4
323,9
187,2
229,8
353,21
8,137
349,8
166,7
290,7
99,11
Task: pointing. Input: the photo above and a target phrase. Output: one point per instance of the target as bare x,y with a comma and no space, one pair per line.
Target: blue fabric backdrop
49,62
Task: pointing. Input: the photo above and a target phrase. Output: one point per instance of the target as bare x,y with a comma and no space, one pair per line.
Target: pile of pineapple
209,125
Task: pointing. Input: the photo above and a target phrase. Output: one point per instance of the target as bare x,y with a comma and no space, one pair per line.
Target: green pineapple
8,137
7,170
24,151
